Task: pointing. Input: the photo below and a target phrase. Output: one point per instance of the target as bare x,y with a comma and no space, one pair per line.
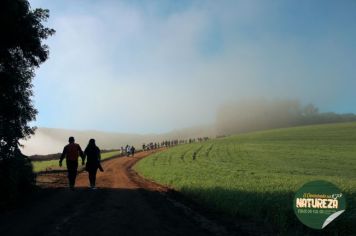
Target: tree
21,51
310,110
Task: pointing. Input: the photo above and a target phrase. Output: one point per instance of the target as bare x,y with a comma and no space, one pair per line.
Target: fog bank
49,140
261,114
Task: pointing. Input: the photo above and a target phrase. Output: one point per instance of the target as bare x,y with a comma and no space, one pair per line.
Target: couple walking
71,153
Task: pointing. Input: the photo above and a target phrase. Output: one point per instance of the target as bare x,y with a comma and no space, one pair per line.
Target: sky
155,66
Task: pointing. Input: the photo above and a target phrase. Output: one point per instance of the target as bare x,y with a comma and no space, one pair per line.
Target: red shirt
72,151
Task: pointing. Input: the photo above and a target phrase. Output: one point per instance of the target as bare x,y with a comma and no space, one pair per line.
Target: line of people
91,156
171,143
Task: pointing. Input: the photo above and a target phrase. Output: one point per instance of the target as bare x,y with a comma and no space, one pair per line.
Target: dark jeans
72,167
92,168
92,176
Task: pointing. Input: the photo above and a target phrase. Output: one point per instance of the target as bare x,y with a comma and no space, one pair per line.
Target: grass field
53,164
255,176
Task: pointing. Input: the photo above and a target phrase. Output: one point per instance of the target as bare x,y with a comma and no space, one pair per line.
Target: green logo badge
318,203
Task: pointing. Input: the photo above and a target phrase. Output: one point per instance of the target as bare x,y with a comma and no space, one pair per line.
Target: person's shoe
93,187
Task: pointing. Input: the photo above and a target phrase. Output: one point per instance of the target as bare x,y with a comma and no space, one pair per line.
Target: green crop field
53,164
254,176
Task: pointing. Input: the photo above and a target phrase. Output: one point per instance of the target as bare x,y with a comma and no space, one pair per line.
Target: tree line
254,115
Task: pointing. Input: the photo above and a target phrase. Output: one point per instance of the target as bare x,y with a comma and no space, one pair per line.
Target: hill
255,175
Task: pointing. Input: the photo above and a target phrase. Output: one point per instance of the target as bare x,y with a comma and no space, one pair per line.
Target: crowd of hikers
91,156
171,143
128,151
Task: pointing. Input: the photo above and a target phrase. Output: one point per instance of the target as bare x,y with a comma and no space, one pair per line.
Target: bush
16,178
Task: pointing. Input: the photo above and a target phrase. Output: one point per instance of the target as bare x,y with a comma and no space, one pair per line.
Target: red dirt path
118,174
123,204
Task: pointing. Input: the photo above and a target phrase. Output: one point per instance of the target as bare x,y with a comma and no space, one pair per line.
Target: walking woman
92,153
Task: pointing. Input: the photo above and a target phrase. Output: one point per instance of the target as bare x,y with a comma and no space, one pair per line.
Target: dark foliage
16,178
56,156
21,51
48,157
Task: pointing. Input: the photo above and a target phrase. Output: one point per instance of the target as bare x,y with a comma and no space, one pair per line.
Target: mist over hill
261,114
231,118
50,140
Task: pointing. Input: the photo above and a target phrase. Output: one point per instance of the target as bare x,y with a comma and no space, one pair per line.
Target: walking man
71,152
132,151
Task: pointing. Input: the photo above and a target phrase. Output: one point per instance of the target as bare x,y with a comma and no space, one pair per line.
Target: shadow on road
60,211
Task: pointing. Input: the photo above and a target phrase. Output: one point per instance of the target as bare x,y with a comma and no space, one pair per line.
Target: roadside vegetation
53,164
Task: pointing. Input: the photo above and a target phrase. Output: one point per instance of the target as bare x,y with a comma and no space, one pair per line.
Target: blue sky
155,66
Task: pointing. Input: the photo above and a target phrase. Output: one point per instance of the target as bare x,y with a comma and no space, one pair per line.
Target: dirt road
123,204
